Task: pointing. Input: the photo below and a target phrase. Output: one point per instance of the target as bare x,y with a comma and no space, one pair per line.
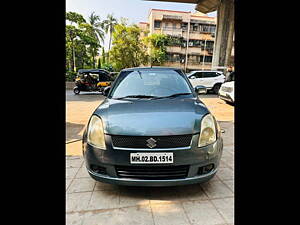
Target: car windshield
156,83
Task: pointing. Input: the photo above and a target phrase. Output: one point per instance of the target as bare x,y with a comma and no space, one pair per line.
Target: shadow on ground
73,131
84,96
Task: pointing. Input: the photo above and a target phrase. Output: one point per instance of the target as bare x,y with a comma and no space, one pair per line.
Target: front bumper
152,183
194,158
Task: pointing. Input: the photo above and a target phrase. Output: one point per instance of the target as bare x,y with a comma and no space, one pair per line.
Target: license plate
151,158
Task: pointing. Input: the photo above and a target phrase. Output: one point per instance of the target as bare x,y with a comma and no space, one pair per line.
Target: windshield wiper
137,96
174,95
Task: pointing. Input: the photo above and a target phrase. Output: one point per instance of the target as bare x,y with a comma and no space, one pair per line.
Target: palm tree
109,25
97,25
97,31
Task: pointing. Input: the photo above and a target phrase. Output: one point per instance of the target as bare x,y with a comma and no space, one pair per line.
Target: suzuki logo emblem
151,143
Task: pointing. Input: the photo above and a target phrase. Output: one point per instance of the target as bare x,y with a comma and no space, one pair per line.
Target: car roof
206,71
92,70
151,68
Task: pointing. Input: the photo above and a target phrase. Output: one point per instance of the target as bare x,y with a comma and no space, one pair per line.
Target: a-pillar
224,35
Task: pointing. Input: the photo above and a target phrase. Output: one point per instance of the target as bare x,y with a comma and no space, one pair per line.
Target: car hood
228,84
151,117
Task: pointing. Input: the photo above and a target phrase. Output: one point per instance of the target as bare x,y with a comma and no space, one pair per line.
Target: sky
135,10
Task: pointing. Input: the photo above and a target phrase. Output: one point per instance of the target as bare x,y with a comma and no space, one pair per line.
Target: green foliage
158,50
174,41
83,41
108,67
70,76
127,50
74,17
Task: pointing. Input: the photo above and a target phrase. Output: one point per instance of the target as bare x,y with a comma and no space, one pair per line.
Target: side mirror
192,77
106,90
200,89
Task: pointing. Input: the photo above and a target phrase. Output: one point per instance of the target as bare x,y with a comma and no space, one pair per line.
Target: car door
210,79
197,80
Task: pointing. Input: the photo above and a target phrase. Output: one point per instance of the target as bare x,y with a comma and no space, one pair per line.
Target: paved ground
94,203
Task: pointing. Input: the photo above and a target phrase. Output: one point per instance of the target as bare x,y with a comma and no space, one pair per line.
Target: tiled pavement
93,203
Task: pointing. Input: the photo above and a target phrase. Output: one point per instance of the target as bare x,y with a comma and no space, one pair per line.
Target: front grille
152,172
143,141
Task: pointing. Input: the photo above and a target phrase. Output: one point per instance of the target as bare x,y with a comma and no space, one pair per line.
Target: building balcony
198,36
195,51
171,17
195,62
174,64
177,32
198,66
175,49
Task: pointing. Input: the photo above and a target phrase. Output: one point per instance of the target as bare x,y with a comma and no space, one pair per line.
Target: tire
216,88
76,91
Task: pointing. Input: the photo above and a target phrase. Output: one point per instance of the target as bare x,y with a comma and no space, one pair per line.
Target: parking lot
94,203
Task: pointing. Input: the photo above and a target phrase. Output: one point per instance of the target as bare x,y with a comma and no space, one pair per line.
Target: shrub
70,75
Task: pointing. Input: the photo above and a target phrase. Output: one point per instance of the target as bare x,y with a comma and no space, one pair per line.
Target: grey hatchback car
152,130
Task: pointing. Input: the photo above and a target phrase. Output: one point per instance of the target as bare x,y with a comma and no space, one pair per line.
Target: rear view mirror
200,89
192,77
106,91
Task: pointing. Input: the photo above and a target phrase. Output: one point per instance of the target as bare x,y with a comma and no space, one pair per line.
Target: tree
74,17
71,34
127,50
87,34
99,63
158,50
96,26
103,56
109,26
95,31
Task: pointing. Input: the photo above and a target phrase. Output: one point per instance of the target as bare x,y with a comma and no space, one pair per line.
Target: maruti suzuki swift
152,130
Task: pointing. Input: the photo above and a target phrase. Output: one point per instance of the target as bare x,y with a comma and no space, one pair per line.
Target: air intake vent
152,172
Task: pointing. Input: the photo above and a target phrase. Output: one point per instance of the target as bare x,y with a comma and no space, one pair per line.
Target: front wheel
216,88
76,90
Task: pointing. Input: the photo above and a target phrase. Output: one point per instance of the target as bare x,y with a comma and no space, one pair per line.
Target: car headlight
227,89
95,135
208,131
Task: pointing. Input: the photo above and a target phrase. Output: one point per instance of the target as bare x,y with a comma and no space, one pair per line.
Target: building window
184,26
157,23
208,28
207,58
212,29
195,27
204,28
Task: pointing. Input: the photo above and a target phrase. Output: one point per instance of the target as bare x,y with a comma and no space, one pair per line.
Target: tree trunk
93,56
109,44
73,56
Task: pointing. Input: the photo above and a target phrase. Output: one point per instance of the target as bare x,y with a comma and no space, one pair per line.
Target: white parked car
226,91
212,80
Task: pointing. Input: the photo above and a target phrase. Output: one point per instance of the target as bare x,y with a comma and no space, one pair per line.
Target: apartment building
193,35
